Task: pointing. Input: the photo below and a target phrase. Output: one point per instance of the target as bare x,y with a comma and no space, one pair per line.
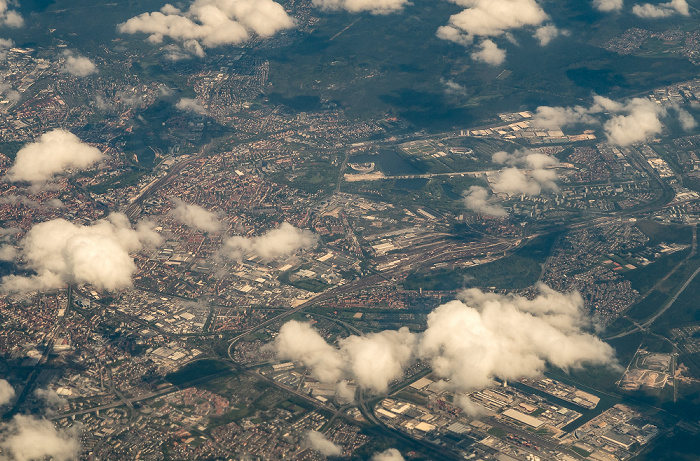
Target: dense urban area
197,267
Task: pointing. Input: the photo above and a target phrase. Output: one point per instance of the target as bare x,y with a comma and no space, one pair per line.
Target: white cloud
8,17
78,66
686,120
27,438
321,444
195,216
489,53
53,154
513,181
553,118
607,5
636,120
547,33
525,158
471,408
191,105
61,252
392,454
298,341
453,88
640,122
491,18
662,10
476,198
275,243
373,360
7,392
469,341
486,335
359,6
211,23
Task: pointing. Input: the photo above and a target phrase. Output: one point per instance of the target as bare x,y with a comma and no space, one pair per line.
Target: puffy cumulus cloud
686,120
553,118
190,105
61,252
359,6
321,444
7,392
211,23
633,121
484,336
27,438
547,33
469,341
476,198
78,66
525,158
195,216
8,17
514,181
392,454
488,52
662,10
376,359
640,121
275,243
491,18
54,153
607,5
299,341
373,360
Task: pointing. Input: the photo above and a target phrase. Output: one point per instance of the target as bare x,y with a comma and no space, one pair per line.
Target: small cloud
392,454
195,216
477,199
8,17
78,66
275,243
54,153
321,444
608,5
489,53
190,105
663,10
686,120
546,34
453,88
359,6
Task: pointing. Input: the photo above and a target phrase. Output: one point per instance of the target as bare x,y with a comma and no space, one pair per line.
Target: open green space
196,370
645,277
668,233
518,270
